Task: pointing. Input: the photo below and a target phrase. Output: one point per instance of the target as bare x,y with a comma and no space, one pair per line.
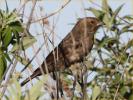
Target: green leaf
124,29
98,13
106,20
13,18
16,25
3,64
26,42
16,35
7,57
96,92
118,10
127,28
18,28
117,77
8,37
128,17
105,6
115,14
105,41
107,10
23,61
14,90
131,96
124,90
35,92
7,9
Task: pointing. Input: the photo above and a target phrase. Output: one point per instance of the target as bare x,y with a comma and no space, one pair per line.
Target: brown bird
72,49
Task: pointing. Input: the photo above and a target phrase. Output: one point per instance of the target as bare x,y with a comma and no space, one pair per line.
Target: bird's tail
36,73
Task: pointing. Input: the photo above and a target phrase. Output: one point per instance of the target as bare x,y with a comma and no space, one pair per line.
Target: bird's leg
56,75
84,76
57,81
60,85
76,71
74,85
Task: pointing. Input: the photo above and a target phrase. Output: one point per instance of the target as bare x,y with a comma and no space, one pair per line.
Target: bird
72,49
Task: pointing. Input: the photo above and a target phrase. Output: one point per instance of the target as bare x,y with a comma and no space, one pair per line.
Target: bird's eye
92,22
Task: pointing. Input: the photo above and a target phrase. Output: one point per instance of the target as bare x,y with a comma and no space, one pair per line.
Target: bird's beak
100,24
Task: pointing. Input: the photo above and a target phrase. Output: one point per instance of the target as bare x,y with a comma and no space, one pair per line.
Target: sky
63,21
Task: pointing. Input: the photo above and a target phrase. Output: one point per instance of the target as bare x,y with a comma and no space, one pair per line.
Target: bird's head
91,24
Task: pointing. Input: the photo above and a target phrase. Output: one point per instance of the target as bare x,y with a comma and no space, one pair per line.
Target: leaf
115,14
16,25
105,6
127,28
124,90
128,17
98,13
107,10
26,42
96,92
124,29
117,77
118,10
14,90
12,18
7,57
8,37
16,36
35,91
131,96
3,64
7,9
23,61
106,20
18,28
105,41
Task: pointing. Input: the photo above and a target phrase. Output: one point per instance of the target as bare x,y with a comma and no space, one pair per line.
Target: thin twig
8,78
33,57
31,14
7,69
120,77
62,7
106,11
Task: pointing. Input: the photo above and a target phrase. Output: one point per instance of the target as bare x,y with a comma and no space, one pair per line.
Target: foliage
114,55
10,26
11,29
111,59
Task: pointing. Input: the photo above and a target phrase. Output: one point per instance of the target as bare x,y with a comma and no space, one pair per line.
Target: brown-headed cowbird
72,49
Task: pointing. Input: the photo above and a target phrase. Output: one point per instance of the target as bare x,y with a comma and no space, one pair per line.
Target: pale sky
64,20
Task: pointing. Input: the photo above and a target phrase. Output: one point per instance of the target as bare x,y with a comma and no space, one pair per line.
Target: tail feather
36,73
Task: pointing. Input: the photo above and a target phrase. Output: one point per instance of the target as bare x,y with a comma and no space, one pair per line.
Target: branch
62,7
